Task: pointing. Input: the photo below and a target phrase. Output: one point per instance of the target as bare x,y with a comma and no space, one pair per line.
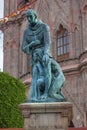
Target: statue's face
31,18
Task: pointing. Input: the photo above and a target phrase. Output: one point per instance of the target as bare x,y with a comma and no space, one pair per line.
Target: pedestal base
46,116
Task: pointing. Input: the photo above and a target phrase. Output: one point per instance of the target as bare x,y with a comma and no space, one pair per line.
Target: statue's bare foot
44,96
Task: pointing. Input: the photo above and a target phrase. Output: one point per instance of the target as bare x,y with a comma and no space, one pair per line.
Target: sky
1,36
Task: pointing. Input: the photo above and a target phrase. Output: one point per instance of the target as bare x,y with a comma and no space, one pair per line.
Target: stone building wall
72,15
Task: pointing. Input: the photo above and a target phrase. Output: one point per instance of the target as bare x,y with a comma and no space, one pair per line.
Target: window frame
63,55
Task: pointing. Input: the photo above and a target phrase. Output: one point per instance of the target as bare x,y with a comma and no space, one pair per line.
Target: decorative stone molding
75,65
15,20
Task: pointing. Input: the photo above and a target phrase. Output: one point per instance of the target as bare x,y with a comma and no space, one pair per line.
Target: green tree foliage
12,93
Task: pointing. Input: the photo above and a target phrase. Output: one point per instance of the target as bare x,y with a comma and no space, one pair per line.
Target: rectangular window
59,41
63,45
60,51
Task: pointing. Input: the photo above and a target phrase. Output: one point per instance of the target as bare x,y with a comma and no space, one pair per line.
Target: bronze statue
47,76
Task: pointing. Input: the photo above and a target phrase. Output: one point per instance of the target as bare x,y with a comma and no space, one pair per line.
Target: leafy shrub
12,93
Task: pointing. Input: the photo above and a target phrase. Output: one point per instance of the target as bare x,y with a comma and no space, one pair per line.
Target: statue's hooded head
38,54
31,16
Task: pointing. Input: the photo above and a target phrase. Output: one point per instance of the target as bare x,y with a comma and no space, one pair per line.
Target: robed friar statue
47,76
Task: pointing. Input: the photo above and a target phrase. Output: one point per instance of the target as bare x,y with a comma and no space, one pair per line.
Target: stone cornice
15,20
77,67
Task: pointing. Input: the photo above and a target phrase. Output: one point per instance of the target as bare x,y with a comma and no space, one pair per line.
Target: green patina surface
47,76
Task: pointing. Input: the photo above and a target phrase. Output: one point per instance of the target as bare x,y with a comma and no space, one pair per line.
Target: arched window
63,44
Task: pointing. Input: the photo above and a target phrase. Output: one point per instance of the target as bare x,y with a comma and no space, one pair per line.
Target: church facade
68,26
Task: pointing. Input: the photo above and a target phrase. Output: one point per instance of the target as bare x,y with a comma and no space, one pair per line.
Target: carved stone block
46,116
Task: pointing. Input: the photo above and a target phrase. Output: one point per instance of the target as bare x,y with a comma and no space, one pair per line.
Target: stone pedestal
46,116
